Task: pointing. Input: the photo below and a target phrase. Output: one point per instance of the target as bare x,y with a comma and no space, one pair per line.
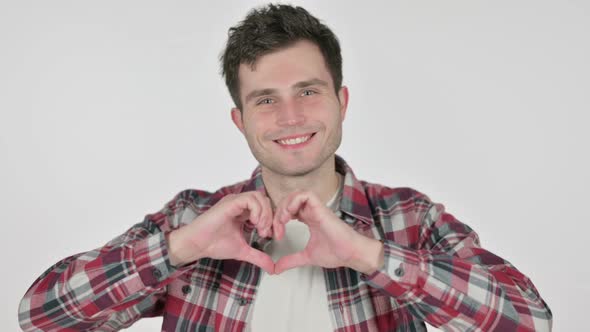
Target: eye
308,92
265,101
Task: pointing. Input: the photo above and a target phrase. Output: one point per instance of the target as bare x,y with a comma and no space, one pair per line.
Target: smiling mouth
294,140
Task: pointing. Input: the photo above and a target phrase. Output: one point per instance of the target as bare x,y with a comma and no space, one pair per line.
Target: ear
343,97
236,117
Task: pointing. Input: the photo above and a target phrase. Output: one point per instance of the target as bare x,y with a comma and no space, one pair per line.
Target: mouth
295,141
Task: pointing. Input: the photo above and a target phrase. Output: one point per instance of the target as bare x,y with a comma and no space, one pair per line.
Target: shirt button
243,301
399,271
157,274
186,289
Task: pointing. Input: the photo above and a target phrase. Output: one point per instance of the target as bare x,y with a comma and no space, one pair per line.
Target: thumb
291,261
257,258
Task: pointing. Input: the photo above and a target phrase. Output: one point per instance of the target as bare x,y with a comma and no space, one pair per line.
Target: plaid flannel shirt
435,271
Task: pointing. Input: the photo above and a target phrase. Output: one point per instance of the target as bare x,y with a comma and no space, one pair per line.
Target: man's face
291,116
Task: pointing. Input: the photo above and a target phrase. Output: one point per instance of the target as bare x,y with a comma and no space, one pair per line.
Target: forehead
300,61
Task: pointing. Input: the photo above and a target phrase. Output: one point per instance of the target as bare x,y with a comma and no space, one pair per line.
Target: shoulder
400,213
409,206
390,198
187,205
199,199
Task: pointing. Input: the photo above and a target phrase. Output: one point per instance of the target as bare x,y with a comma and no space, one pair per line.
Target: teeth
292,141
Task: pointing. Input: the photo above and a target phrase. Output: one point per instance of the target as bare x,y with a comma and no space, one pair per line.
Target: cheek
256,126
316,103
329,115
324,108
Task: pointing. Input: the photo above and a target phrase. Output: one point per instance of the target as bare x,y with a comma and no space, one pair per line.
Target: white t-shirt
295,300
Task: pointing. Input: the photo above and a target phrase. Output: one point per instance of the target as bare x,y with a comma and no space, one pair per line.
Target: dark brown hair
271,28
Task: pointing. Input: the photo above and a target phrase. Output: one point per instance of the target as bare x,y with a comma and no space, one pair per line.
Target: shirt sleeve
451,282
108,288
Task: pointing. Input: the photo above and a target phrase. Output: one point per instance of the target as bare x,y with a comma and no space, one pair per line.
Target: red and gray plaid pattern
435,271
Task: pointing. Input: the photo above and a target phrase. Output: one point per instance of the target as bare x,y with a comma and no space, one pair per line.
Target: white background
108,109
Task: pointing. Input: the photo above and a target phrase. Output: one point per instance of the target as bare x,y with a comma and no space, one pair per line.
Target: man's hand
332,243
218,234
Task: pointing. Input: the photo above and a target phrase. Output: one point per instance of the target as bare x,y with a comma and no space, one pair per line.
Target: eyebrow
298,85
314,81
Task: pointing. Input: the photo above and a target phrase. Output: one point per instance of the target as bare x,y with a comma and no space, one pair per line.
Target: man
303,244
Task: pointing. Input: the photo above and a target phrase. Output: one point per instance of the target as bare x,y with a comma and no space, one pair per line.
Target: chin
298,171
300,167
294,170
287,168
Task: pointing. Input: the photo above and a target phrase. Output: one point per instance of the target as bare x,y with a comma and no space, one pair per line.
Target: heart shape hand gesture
217,234
332,243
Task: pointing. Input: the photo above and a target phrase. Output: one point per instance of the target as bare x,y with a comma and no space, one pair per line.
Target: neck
323,181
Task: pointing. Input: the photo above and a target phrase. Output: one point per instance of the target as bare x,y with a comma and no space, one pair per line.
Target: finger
268,208
302,199
291,261
278,228
258,258
293,207
282,217
244,216
259,213
266,215
251,204
262,213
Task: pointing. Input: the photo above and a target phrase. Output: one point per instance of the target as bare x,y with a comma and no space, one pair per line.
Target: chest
220,296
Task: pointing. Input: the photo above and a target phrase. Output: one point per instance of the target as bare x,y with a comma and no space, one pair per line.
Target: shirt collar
353,202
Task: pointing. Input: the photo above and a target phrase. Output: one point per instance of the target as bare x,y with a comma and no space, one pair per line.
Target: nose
290,114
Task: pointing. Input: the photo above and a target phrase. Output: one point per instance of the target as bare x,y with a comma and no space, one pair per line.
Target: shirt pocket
197,285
